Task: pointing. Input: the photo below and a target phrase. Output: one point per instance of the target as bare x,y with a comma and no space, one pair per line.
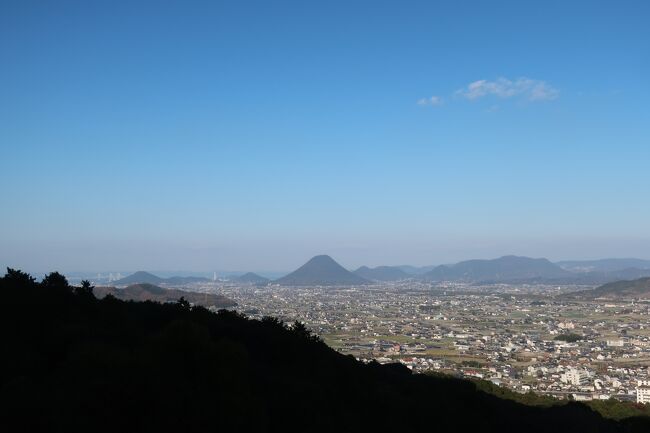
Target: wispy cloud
433,100
526,88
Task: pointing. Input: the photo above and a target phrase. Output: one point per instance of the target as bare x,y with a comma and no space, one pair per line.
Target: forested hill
72,363
628,289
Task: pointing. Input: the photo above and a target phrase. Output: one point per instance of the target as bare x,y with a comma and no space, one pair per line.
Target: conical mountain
321,271
252,278
139,277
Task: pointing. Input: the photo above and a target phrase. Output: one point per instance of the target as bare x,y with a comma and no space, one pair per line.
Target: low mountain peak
321,270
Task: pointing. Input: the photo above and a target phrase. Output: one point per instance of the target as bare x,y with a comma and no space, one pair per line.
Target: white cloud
433,100
526,88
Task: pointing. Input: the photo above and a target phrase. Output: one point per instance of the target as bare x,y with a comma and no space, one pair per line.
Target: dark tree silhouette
86,289
183,303
273,321
19,278
302,331
55,280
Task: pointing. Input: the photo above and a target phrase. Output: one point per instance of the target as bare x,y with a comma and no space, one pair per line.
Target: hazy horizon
176,270
254,136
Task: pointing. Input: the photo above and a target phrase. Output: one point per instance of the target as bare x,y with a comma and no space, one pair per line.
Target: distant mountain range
382,273
503,269
321,271
146,277
324,271
603,265
414,270
150,292
516,269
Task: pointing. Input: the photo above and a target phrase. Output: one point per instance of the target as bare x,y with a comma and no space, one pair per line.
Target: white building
566,325
575,377
643,391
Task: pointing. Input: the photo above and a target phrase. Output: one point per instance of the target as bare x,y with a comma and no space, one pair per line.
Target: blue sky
253,135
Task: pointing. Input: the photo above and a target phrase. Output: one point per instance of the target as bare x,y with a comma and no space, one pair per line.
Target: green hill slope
628,289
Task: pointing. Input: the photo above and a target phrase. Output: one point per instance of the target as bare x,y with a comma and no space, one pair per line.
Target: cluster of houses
545,344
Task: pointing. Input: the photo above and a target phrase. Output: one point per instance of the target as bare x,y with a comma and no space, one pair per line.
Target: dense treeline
569,338
73,363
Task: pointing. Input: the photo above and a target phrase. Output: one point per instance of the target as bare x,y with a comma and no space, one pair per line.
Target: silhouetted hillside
150,292
382,273
321,271
72,363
